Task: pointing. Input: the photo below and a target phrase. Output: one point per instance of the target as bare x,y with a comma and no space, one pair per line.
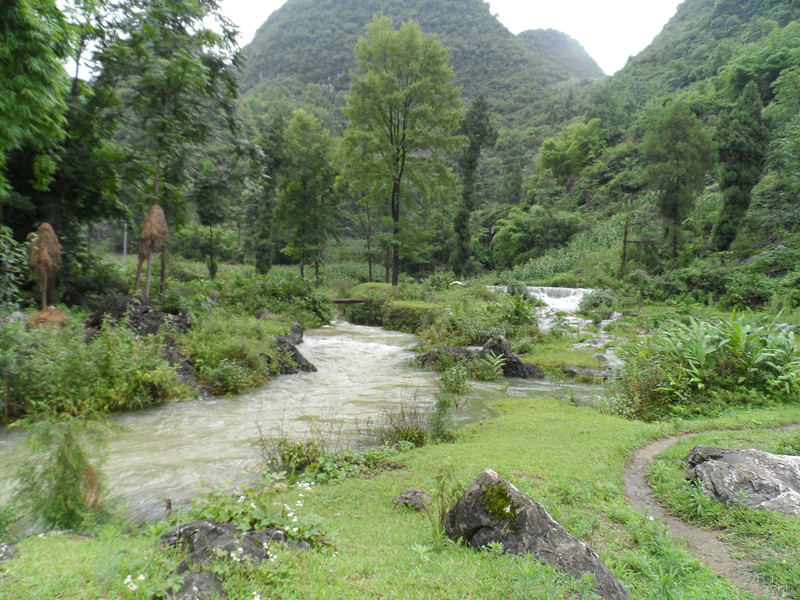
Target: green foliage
577,146
51,371
13,264
529,233
253,507
232,352
679,153
57,484
454,381
280,292
35,41
703,367
408,315
401,114
742,143
307,210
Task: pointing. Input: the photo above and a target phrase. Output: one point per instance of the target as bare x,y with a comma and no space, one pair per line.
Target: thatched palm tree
44,257
153,236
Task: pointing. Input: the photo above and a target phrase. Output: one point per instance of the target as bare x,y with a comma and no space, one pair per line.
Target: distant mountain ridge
563,51
310,43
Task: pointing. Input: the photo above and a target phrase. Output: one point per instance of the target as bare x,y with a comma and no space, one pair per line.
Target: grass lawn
569,458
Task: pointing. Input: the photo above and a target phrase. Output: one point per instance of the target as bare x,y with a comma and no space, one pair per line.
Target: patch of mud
704,545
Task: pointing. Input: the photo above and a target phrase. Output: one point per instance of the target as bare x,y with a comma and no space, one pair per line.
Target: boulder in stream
754,478
499,346
493,510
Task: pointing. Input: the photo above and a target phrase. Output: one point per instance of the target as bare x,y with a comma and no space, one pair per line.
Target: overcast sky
609,30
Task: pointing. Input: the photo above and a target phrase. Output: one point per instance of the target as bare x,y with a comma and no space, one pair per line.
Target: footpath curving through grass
569,458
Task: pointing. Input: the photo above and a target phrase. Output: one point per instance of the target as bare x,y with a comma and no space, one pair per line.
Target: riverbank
569,458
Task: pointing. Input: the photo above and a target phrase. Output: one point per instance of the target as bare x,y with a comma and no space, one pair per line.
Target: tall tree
402,110
480,133
742,142
307,209
35,39
176,75
266,164
210,194
679,152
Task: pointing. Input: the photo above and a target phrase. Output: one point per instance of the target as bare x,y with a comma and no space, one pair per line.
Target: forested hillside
304,53
563,51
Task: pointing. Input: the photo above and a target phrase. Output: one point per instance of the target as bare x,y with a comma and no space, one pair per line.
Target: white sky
609,30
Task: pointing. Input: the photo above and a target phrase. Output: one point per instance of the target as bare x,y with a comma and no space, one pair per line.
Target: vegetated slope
705,56
563,51
304,52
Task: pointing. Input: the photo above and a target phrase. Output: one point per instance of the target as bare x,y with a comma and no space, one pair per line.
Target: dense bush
472,321
703,367
51,371
232,352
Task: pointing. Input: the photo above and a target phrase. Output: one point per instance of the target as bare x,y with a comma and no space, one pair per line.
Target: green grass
569,458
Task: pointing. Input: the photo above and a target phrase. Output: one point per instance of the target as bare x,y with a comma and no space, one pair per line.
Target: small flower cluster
131,584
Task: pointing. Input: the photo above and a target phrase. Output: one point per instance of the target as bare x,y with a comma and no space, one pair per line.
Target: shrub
232,352
703,367
50,371
408,315
747,290
57,483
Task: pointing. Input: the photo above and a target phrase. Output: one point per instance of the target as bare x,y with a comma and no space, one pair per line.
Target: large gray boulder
493,510
752,477
513,366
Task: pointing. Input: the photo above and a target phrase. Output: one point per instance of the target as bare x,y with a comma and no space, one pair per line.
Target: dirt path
704,545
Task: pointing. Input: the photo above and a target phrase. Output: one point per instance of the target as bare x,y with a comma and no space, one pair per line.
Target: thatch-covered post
154,236
44,257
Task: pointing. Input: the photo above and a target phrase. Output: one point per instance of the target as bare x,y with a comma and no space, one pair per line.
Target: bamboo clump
153,236
44,257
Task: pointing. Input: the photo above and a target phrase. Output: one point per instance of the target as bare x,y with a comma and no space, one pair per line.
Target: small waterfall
559,299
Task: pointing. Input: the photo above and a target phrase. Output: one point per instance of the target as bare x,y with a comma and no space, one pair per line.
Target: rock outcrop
493,510
498,347
142,317
751,477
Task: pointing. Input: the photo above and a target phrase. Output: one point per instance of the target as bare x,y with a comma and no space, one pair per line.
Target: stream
171,451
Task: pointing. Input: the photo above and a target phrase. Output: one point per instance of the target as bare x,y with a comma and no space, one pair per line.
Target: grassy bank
569,458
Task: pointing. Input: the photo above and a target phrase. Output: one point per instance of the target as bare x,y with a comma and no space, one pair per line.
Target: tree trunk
138,276
147,277
164,269
395,233
623,262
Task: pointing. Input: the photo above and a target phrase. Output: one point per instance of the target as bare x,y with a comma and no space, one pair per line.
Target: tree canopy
403,112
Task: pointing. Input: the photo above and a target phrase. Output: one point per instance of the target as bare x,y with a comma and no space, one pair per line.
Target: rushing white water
170,451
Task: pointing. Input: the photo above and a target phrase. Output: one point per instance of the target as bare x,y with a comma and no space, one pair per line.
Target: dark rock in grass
417,499
143,318
7,552
207,539
200,586
493,510
514,366
751,477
